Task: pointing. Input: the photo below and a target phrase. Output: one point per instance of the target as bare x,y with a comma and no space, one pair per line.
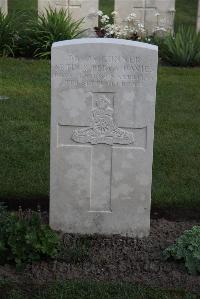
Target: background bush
40,33
8,34
181,49
35,37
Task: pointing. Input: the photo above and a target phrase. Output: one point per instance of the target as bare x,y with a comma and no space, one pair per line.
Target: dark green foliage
181,49
35,37
24,239
49,27
187,248
8,34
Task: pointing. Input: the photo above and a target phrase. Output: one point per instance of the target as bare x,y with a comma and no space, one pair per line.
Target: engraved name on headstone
102,127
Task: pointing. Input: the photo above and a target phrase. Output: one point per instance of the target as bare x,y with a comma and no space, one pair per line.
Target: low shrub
24,238
187,248
182,48
37,38
8,34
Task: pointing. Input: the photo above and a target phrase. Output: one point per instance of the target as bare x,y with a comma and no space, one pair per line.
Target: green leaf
187,248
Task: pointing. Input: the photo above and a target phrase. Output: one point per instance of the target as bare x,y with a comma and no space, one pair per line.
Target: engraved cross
74,4
101,138
147,12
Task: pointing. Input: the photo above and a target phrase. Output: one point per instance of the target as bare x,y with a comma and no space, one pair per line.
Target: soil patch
115,258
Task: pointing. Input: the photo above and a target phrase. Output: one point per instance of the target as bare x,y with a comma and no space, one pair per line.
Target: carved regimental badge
103,129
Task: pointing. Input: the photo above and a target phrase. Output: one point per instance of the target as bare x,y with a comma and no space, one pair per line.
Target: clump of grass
8,34
48,28
181,49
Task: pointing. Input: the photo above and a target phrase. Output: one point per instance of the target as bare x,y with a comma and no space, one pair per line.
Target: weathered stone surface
102,130
78,8
4,6
198,17
146,11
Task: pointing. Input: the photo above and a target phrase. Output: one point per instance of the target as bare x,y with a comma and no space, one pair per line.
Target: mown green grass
22,5
186,13
92,290
24,133
25,130
107,6
176,168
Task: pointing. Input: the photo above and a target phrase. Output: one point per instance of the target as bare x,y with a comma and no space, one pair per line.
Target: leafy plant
187,248
49,27
24,239
8,34
181,49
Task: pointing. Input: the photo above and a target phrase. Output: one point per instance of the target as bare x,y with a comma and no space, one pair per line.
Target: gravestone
4,6
151,13
102,130
77,8
198,17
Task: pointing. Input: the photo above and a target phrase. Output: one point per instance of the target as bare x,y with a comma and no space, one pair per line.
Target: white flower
114,13
157,14
105,19
100,13
133,15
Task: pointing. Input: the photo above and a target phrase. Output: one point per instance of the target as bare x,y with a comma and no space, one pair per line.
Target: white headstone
77,8
4,6
198,17
102,131
151,13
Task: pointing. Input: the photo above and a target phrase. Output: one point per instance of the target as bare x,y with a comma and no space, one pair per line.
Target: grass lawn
107,6
24,134
186,13
21,5
90,290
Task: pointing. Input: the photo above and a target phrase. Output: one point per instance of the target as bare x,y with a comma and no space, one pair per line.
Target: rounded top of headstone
112,41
